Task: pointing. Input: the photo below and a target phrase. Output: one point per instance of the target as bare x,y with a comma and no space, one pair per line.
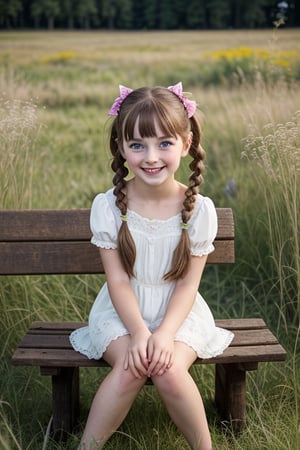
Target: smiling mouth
153,170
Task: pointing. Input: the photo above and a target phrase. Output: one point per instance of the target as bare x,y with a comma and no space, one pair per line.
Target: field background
55,90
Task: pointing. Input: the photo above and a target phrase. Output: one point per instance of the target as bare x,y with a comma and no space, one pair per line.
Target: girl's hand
160,352
136,358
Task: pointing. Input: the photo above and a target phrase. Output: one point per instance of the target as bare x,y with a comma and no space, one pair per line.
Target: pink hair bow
124,92
189,105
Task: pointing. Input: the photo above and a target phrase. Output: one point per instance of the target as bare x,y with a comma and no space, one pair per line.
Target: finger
164,363
132,367
151,367
142,357
157,364
150,350
145,363
139,364
141,361
166,366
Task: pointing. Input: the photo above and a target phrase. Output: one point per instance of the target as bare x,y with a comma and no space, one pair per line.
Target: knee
126,382
170,382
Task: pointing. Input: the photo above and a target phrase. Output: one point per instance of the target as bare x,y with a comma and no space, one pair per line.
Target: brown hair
155,107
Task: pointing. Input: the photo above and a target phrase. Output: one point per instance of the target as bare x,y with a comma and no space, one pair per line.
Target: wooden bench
58,242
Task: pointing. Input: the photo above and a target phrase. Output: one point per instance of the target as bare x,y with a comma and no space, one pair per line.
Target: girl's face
154,160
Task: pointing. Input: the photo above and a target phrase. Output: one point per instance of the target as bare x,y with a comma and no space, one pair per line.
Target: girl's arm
161,343
126,305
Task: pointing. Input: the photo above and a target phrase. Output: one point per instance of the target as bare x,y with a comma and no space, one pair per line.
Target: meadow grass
55,89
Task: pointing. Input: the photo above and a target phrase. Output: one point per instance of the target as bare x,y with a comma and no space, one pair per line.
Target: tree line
145,14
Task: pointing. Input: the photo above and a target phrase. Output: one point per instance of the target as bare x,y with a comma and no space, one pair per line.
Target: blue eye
136,146
165,144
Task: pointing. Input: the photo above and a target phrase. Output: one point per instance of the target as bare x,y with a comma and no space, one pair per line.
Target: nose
151,155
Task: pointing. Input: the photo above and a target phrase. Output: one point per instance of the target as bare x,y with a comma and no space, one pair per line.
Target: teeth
153,170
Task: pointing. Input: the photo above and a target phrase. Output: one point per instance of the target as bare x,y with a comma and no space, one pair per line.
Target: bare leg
183,400
112,400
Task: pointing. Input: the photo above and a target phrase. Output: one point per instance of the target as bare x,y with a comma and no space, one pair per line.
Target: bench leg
230,394
65,401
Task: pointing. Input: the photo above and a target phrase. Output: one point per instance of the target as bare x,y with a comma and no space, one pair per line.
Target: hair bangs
150,116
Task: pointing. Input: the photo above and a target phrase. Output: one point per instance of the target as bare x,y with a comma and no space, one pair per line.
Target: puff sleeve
103,223
203,227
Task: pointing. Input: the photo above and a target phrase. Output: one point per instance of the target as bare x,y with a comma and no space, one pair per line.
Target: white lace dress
155,241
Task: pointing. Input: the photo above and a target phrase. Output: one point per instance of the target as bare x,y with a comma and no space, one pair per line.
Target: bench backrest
58,242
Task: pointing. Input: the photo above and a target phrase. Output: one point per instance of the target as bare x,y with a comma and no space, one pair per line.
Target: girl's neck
155,202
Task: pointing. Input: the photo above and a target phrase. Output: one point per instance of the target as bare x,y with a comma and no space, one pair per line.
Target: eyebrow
160,138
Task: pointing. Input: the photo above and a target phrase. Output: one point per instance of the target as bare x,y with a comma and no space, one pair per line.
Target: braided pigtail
182,253
126,245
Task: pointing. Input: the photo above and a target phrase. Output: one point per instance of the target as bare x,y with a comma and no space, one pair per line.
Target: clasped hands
149,353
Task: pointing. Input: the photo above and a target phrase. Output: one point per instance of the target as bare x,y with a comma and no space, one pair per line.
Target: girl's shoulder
104,220
105,200
203,206
203,226
204,218
104,207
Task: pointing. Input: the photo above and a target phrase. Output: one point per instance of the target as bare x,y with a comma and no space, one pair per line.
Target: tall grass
274,152
260,126
19,129
54,155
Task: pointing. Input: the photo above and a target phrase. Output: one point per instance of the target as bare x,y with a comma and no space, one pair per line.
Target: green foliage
254,12
196,14
48,8
85,11
9,11
142,14
218,13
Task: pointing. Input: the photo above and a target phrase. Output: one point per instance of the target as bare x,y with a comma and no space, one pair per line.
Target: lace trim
75,338
207,351
194,334
192,338
202,252
153,226
103,339
103,244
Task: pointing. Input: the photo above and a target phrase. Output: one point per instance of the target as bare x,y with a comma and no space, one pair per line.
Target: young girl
154,235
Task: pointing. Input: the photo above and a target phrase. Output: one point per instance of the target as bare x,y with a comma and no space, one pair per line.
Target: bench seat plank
61,339
47,344
230,324
67,357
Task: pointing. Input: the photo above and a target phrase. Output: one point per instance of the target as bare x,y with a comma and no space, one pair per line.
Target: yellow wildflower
58,57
